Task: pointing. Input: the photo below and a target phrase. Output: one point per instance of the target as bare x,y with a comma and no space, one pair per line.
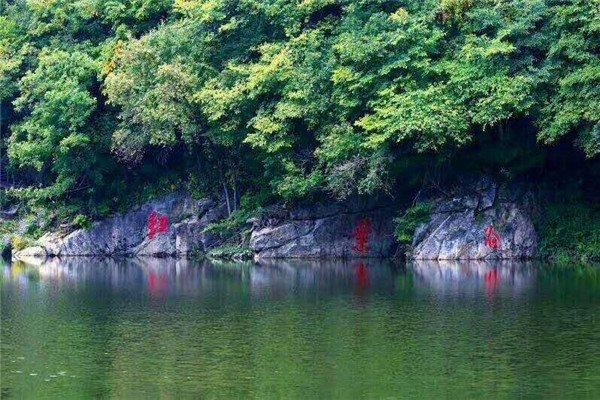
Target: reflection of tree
63,336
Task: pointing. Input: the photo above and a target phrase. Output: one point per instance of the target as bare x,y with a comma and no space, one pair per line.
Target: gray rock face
171,226
487,224
346,230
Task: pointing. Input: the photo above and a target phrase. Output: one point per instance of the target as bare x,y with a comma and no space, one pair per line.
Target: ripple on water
368,329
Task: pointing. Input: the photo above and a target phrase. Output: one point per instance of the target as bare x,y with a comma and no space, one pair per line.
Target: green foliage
82,221
33,228
21,242
154,90
57,100
8,227
232,225
574,60
231,252
109,103
410,221
4,250
570,232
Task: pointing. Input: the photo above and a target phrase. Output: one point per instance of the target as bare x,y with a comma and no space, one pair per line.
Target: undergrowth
231,252
570,232
410,221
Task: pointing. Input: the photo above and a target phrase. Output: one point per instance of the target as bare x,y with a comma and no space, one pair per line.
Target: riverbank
482,221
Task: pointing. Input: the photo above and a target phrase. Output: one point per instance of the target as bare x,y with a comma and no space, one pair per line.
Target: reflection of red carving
361,234
362,276
492,238
157,284
492,279
157,224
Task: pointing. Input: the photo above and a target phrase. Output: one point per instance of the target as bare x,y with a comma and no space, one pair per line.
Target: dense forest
106,103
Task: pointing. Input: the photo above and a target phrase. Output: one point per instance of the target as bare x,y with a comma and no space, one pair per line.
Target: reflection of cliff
172,277
278,277
473,278
156,276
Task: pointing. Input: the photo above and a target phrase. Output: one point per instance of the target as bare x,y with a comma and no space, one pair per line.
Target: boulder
11,213
337,230
171,226
485,222
31,255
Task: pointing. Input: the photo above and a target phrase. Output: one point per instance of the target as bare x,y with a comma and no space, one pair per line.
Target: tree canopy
108,99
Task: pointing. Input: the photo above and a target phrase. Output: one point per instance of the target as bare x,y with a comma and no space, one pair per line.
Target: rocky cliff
337,230
485,221
171,226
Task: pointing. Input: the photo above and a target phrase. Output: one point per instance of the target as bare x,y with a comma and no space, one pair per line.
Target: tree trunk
235,197
227,199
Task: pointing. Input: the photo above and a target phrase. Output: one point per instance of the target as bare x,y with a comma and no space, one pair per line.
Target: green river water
86,329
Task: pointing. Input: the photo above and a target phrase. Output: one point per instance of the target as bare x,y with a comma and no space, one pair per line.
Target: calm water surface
166,329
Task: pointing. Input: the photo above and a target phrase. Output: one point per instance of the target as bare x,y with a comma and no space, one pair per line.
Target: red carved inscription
492,238
362,232
157,224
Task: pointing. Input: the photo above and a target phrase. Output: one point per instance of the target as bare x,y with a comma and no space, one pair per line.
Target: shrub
230,226
569,232
8,227
5,249
250,206
410,221
231,252
20,242
82,221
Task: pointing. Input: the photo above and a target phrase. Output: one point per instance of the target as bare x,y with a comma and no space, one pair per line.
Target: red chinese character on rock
163,224
157,224
361,234
492,238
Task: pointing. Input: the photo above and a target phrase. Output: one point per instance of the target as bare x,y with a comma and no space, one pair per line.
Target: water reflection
161,278
164,278
103,328
279,278
475,278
